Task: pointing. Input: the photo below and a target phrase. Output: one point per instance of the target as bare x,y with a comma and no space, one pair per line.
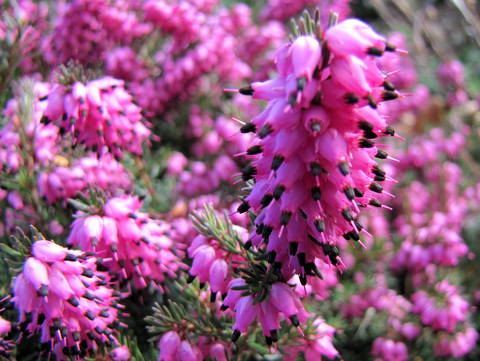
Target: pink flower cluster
281,301
33,17
124,63
87,29
444,314
285,9
132,245
220,42
381,299
210,263
457,345
314,150
451,75
102,172
389,350
432,147
315,346
5,345
180,19
216,145
100,115
431,224
62,296
173,348
43,138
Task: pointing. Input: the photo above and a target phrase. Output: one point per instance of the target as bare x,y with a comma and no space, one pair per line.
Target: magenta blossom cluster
124,63
5,345
172,348
451,75
380,298
44,139
99,114
456,345
314,346
285,9
132,245
281,302
314,153
389,350
212,263
224,42
102,172
86,29
431,224
62,296
217,145
121,353
439,314
180,19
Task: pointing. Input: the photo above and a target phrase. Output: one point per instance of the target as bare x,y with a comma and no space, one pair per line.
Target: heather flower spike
99,114
60,295
133,245
263,298
315,168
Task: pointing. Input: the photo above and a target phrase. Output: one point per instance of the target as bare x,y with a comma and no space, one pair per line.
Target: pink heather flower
55,228
281,300
432,230
62,296
389,350
169,344
314,346
123,63
313,155
44,138
15,200
305,54
456,345
99,114
414,104
176,163
87,29
381,299
121,353
5,326
354,37
32,18
201,42
211,263
102,172
218,352
440,316
457,97
5,345
180,19
284,9
410,331
173,348
451,74
134,246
